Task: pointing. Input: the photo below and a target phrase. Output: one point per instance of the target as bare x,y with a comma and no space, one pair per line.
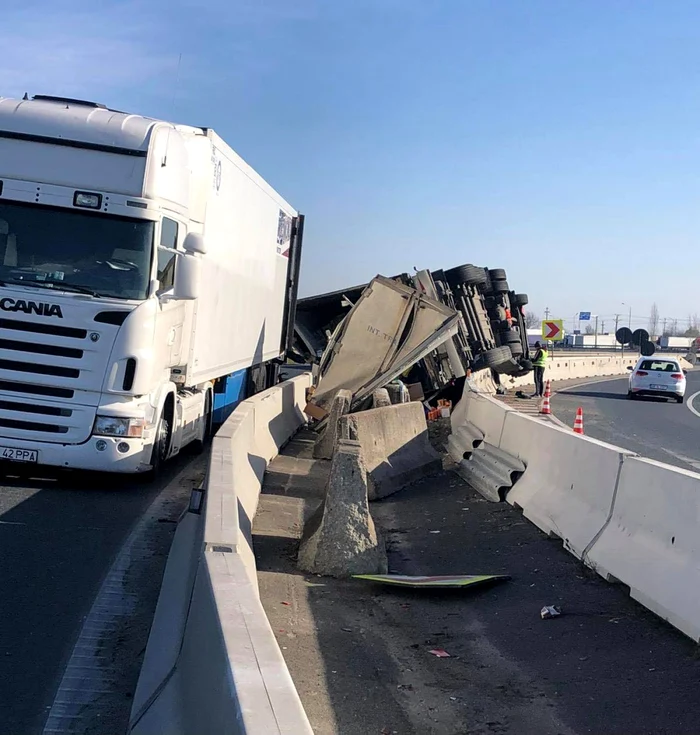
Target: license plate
659,387
19,455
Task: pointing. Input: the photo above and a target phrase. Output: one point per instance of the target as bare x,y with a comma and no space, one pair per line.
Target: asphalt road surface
655,428
58,539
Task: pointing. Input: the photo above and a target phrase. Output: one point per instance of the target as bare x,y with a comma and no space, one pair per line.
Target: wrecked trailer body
490,333
388,329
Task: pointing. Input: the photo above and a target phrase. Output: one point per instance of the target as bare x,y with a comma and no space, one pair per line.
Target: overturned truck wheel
468,275
497,356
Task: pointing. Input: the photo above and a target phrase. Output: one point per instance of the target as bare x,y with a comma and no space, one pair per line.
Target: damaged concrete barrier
381,398
325,445
340,538
395,446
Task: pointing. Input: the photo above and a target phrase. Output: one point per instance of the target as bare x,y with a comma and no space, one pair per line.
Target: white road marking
694,463
689,404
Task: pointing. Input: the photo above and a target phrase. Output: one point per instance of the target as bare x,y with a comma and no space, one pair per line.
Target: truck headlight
115,426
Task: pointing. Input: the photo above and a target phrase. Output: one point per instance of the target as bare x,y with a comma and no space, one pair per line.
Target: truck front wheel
161,445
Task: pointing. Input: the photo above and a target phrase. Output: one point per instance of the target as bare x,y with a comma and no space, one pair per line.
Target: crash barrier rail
633,520
212,662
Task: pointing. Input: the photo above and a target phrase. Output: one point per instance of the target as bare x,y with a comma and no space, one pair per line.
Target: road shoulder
360,654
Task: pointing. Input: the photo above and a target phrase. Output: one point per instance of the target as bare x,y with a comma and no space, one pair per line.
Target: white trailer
591,341
675,343
147,283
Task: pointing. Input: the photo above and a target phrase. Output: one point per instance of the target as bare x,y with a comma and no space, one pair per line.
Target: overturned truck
489,333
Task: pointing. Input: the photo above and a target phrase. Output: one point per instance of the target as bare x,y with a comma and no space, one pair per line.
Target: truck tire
497,274
160,447
500,286
469,275
518,299
509,336
497,356
516,349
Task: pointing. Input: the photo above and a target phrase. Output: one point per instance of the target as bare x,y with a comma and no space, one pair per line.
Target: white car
657,376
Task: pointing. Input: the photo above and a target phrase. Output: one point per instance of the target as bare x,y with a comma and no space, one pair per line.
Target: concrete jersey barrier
631,519
569,485
651,543
396,449
212,662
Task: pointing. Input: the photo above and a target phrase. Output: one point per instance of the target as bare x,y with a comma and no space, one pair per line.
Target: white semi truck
147,284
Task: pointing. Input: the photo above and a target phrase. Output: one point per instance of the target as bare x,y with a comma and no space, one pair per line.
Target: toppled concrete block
398,393
396,450
340,539
380,398
325,445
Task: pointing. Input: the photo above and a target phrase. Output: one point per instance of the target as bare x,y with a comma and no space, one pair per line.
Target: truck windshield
84,252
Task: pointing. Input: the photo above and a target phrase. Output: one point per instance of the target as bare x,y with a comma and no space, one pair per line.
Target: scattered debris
435,532
456,580
439,652
286,603
550,611
346,630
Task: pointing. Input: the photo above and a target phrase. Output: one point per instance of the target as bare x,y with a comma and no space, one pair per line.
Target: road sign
553,329
623,335
584,316
639,337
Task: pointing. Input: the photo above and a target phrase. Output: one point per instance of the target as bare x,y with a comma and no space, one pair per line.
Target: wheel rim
162,440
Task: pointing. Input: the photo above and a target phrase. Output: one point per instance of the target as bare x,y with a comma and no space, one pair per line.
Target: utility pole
546,313
617,319
595,339
663,327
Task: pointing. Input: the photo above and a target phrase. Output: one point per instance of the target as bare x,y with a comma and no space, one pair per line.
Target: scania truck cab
147,284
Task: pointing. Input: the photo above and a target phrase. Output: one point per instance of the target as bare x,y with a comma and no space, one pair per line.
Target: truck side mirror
194,243
187,278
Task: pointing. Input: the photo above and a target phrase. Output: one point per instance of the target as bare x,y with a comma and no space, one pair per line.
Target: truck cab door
171,315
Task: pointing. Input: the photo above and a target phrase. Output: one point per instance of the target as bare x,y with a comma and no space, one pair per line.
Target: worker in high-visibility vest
539,363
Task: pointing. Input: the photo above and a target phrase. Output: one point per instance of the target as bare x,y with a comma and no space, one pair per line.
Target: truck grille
40,365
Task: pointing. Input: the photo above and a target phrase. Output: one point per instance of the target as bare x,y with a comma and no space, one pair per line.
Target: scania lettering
148,282
31,307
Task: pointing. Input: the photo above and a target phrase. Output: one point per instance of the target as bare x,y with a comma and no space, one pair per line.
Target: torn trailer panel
388,329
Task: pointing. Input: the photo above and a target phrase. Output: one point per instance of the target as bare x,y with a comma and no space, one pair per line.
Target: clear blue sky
559,140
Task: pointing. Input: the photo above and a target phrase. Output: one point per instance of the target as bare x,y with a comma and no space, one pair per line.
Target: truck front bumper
98,454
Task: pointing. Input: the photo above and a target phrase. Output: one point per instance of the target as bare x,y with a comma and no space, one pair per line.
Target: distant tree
654,320
532,320
589,329
692,332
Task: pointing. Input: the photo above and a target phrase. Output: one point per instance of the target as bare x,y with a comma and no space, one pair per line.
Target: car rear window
660,365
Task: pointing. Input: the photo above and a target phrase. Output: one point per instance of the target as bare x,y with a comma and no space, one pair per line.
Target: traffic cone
548,389
578,423
546,408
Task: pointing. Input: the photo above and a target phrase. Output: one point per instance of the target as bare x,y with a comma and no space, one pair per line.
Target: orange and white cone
548,389
546,408
578,423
